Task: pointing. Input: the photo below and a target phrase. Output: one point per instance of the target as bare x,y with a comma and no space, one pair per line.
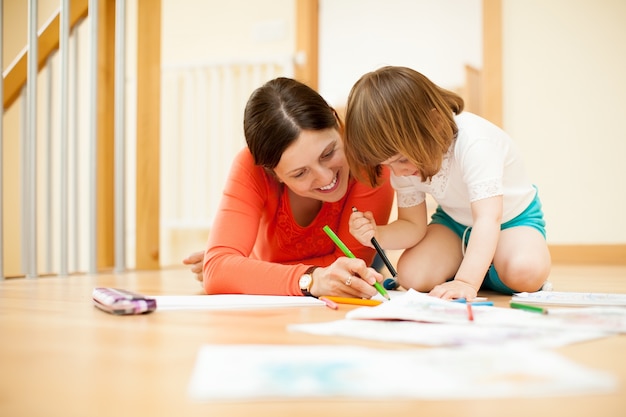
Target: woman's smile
332,186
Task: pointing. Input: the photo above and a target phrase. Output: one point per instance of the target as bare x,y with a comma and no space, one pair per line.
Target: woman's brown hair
277,112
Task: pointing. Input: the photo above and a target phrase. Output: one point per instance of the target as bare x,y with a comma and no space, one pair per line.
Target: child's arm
405,232
487,214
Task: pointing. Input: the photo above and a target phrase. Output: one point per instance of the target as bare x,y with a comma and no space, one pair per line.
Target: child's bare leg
432,261
522,259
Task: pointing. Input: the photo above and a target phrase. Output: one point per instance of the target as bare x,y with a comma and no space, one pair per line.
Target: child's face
401,166
315,166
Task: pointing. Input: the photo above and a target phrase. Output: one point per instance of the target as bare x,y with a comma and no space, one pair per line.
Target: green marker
349,254
526,307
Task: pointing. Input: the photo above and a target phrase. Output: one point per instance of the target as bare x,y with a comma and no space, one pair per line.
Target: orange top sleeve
256,247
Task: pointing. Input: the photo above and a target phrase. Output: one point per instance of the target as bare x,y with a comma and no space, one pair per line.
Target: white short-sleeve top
482,162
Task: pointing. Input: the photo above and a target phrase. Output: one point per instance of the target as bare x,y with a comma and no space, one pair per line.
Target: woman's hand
346,277
363,227
195,260
454,289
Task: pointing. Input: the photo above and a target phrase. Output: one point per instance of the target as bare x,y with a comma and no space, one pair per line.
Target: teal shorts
532,216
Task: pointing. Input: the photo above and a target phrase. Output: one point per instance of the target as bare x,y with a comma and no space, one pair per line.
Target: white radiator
202,130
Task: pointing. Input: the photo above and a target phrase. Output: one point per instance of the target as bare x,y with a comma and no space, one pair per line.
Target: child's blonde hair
397,110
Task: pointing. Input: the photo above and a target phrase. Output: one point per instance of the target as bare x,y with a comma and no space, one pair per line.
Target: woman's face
315,166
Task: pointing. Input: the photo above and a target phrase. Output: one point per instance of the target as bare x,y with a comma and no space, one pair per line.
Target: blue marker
473,303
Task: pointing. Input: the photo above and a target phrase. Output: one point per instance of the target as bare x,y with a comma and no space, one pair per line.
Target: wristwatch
306,281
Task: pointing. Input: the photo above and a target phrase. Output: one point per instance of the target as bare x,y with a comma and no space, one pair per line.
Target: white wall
437,38
564,103
200,31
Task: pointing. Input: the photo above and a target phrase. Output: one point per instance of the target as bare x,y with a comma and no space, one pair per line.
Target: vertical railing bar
64,34
49,184
186,139
24,178
76,154
93,138
1,144
120,142
31,138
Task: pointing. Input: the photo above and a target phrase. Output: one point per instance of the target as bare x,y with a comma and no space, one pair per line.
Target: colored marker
329,303
353,301
481,303
383,256
470,313
474,303
338,242
526,307
349,254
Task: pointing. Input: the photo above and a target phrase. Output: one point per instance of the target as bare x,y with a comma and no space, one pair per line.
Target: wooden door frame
491,85
148,183
307,42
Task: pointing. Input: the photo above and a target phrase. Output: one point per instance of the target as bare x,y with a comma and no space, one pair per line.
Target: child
488,230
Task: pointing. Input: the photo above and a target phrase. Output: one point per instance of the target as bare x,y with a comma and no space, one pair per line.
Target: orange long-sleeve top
256,247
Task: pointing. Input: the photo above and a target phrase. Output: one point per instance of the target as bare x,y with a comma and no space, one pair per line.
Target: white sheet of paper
592,317
571,298
417,306
417,318
253,372
231,302
420,307
434,334
241,301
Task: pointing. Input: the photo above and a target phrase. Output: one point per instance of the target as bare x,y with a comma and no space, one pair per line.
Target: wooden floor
580,278
573,277
594,278
59,356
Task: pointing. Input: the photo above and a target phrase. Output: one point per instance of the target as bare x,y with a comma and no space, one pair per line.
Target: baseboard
588,254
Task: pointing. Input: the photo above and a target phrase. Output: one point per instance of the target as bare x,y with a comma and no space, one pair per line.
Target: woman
290,181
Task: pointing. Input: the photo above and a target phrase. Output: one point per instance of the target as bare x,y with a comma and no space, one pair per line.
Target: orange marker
354,301
470,314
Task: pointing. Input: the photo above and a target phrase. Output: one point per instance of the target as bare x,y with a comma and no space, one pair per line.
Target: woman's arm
228,267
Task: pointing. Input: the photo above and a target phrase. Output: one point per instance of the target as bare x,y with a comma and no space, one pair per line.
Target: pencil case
122,302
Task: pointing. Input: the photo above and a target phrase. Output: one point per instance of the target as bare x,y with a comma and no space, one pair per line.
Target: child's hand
454,289
363,227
